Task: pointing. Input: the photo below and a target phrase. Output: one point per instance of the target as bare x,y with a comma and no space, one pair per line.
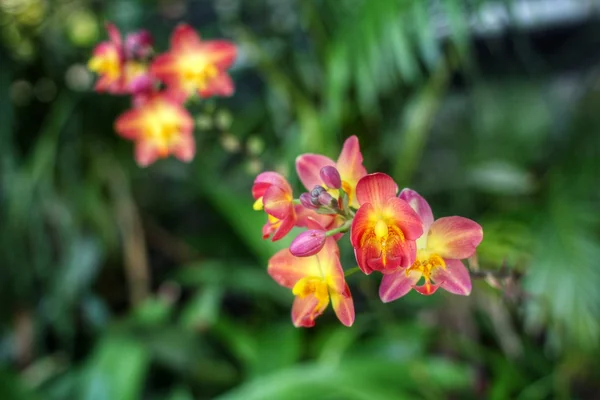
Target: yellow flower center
426,262
164,136
198,74
346,187
107,65
384,232
381,230
162,126
312,285
134,70
258,204
274,221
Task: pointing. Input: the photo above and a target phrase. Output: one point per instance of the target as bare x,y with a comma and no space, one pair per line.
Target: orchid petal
265,180
369,258
267,229
403,216
331,267
165,67
285,227
113,34
427,289
140,84
350,160
277,202
343,306
397,254
185,148
306,309
454,237
308,167
184,38
220,53
350,166
376,189
220,85
287,270
455,278
361,224
420,205
146,153
129,124
393,286
306,218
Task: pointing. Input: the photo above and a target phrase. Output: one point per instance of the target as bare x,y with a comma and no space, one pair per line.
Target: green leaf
237,277
203,309
563,277
180,393
12,388
281,336
116,370
237,210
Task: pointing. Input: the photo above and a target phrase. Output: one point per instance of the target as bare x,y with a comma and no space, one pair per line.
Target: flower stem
341,229
351,271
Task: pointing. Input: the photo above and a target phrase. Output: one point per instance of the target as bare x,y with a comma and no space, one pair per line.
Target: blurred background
123,283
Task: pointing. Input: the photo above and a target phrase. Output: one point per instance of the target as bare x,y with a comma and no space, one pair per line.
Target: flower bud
141,84
314,195
308,243
307,201
327,200
317,190
331,177
138,44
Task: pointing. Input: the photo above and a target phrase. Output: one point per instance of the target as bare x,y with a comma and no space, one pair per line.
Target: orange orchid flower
193,65
116,64
273,193
107,61
349,165
444,243
314,280
159,126
385,227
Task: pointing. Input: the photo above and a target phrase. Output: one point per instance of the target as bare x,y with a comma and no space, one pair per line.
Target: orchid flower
315,281
349,164
160,126
384,228
444,243
193,65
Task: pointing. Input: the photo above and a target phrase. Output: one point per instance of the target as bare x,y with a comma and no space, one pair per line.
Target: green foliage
126,283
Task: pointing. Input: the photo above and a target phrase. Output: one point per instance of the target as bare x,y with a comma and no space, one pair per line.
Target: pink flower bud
138,44
331,177
308,243
141,84
306,201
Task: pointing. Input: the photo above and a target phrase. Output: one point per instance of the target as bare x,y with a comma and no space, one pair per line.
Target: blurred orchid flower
107,61
118,64
194,65
273,193
159,126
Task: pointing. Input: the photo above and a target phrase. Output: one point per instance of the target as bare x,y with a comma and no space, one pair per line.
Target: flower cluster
160,84
392,233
